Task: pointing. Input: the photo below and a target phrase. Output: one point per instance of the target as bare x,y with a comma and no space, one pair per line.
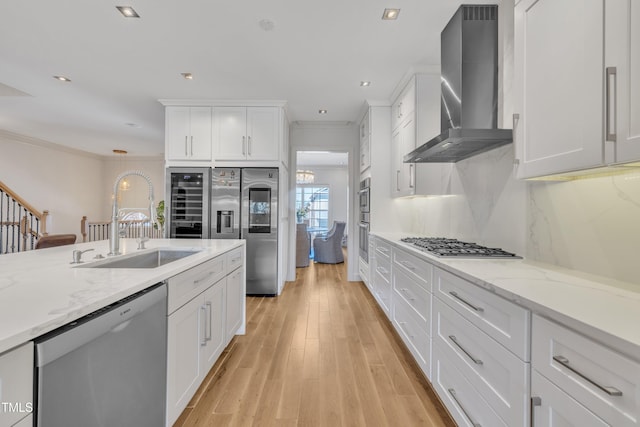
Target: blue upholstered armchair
328,249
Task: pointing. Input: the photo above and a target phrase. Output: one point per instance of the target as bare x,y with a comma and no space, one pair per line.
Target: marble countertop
604,309
41,290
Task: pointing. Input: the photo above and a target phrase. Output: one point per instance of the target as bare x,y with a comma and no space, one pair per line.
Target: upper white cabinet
246,133
415,119
365,143
188,133
577,100
622,74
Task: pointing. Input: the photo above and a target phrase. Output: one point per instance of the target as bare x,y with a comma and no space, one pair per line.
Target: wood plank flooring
321,354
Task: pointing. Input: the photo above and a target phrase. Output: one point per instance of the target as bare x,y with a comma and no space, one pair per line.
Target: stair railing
133,228
21,225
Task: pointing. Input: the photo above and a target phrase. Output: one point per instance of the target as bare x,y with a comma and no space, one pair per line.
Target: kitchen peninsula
42,290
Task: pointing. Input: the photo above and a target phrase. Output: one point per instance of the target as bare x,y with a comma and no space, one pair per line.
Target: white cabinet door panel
230,133
263,133
559,79
558,409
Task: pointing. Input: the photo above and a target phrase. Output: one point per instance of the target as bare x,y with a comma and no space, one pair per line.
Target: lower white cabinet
551,407
587,372
465,404
234,298
194,341
200,329
16,386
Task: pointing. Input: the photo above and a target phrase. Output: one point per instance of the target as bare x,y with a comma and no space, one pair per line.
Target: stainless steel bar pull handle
397,180
464,350
611,391
249,145
611,107
186,150
467,303
244,150
535,401
452,392
203,313
208,323
412,176
192,145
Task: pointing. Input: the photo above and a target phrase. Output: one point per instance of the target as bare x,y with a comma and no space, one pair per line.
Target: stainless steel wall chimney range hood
469,89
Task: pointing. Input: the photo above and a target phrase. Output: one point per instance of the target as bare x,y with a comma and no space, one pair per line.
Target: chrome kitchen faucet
114,232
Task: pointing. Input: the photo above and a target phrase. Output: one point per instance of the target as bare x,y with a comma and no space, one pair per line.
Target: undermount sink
153,259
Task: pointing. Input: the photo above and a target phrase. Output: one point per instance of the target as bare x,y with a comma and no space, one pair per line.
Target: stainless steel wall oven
363,229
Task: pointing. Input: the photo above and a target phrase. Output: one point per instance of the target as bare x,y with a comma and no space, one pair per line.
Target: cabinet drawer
414,332
414,294
599,378
16,383
184,286
557,408
363,271
465,404
383,292
383,250
383,269
415,267
234,259
499,376
502,320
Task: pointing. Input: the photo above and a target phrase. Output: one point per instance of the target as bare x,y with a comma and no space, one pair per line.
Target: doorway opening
321,207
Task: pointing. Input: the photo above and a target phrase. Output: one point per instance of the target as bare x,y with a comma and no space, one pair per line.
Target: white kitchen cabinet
246,133
365,142
622,57
551,407
563,52
592,374
500,377
415,118
188,133
234,299
465,404
198,330
16,385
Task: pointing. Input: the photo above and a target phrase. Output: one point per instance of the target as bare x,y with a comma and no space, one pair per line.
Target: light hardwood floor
322,353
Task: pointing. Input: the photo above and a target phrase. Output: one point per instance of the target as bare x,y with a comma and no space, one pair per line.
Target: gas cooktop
452,248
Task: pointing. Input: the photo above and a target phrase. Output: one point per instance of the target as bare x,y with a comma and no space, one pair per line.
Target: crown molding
5,134
222,103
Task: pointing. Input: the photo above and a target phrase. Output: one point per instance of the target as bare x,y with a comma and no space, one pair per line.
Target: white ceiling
314,58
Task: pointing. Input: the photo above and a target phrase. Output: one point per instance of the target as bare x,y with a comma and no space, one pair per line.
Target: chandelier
304,177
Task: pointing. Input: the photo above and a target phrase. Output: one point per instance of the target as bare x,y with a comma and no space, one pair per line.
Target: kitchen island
42,290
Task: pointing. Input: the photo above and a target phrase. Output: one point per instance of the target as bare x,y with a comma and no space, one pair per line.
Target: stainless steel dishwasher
108,368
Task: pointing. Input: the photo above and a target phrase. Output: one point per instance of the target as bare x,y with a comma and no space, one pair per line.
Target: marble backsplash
590,225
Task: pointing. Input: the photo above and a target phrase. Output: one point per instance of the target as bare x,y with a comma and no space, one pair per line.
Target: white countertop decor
41,290
604,309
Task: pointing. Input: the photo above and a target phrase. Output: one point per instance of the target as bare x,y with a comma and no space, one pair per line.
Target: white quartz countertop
41,290
604,309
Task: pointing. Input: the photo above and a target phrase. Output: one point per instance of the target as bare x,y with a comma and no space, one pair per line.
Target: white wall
71,183
65,182
138,195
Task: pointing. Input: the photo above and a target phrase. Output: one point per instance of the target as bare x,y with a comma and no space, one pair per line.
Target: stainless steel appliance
107,368
452,248
469,98
363,226
187,196
244,205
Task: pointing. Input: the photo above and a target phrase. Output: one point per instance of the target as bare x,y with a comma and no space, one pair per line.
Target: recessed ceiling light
267,25
365,84
390,14
128,12
133,125
62,78
187,76
322,111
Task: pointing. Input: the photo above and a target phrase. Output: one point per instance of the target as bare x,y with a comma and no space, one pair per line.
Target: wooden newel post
83,228
43,220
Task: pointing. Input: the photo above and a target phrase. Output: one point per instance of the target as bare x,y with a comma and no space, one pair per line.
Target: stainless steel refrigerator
244,205
187,205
